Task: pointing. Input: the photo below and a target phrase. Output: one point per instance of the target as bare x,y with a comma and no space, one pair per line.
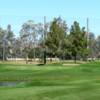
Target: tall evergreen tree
56,36
78,40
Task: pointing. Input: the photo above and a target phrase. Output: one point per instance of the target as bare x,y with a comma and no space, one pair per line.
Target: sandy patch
71,64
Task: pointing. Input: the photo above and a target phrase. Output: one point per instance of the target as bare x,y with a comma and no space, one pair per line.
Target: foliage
78,40
49,40
56,36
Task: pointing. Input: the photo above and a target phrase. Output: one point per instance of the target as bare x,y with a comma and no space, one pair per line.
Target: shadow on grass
41,64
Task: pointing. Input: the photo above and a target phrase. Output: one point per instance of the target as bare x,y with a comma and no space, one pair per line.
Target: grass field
51,82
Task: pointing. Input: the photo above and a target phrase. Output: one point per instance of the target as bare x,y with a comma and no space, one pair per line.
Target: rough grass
51,82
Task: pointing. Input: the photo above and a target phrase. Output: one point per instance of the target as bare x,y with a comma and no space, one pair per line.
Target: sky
16,12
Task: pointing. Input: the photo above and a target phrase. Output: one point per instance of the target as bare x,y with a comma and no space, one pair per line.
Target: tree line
53,39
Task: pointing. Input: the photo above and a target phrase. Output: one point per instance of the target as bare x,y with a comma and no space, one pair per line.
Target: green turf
51,82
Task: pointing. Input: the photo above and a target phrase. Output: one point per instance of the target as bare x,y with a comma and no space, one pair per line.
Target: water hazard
9,84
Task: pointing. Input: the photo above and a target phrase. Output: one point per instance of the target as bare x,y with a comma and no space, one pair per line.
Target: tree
17,49
10,40
66,48
56,36
2,43
78,40
98,46
92,45
28,37
6,39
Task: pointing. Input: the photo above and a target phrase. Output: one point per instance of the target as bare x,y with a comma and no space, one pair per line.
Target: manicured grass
51,82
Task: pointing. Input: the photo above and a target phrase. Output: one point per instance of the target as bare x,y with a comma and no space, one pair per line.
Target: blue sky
16,12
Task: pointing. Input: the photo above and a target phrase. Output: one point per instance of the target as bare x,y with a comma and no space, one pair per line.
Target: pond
9,84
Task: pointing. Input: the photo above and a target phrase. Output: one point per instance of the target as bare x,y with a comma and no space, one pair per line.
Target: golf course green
50,82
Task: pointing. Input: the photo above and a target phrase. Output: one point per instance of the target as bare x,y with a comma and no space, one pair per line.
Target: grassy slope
51,82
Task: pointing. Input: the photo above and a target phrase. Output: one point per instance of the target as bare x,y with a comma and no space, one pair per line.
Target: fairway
51,82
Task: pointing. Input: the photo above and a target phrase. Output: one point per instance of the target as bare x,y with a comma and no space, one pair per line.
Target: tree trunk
26,59
75,58
44,57
34,54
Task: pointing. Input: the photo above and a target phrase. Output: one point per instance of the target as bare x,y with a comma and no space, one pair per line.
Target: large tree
6,39
10,40
28,36
56,36
2,43
78,40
